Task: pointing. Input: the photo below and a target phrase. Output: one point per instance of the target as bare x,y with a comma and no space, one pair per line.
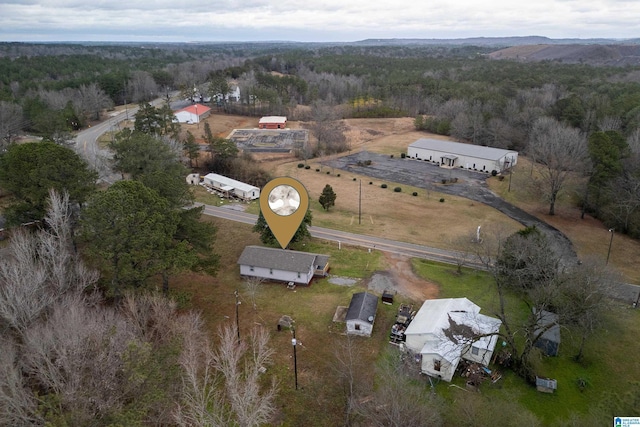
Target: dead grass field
423,219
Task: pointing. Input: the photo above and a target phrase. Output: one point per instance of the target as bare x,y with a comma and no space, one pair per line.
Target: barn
450,154
361,314
231,187
429,335
282,265
272,122
192,114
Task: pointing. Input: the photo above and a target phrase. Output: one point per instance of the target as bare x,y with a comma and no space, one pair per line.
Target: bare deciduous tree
560,150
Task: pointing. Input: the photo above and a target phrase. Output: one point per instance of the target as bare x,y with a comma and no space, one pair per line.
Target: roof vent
370,319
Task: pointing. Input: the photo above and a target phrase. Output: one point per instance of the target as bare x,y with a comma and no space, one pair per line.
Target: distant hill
592,54
495,41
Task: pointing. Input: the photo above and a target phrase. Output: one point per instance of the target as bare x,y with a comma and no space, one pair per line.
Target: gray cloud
312,20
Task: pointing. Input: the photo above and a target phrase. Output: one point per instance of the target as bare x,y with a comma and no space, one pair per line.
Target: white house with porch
450,154
444,331
282,265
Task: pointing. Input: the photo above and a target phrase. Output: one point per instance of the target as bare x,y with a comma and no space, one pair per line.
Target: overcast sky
312,20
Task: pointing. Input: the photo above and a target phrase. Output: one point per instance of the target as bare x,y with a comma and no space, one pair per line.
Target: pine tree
328,197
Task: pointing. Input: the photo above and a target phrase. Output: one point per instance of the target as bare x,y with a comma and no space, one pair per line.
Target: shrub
367,162
383,186
370,182
415,193
397,189
307,167
442,200
317,170
494,172
403,155
354,179
391,156
338,175
328,172
444,181
300,165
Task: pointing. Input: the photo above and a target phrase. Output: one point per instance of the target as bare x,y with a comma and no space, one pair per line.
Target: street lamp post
295,359
611,230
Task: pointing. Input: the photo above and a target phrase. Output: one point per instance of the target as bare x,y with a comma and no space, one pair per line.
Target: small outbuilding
361,314
450,154
192,114
548,325
282,265
272,122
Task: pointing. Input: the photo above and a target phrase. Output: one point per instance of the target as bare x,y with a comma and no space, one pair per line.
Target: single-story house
450,154
231,187
282,265
361,314
444,331
548,325
272,122
232,95
192,114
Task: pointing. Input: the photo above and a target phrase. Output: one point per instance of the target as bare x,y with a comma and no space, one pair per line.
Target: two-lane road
343,237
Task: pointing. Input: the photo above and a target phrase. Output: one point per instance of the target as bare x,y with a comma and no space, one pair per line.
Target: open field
423,219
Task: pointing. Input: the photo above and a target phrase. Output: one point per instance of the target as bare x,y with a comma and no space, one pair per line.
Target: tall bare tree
560,150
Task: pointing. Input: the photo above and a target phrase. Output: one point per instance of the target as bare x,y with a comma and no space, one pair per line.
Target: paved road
623,291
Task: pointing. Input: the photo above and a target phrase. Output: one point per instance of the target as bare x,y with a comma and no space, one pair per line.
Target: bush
403,155
317,170
442,200
391,156
397,189
370,182
354,179
300,165
494,172
367,162
328,172
415,193
338,175
383,186
307,167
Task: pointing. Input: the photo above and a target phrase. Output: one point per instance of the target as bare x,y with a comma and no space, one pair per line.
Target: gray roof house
450,154
282,265
361,314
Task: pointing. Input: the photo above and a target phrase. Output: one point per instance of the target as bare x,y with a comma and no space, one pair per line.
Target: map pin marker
284,202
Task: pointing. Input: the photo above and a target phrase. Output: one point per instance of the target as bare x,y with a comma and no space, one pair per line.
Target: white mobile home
231,187
449,154
430,335
282,265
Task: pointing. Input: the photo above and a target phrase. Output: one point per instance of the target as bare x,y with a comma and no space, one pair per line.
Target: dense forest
51,90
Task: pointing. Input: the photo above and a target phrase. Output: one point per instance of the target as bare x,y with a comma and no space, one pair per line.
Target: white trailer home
449,154
231,187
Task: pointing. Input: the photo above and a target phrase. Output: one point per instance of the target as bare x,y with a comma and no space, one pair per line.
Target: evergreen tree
267,237
328,197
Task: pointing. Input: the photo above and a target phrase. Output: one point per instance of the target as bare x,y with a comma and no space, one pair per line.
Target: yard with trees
123,305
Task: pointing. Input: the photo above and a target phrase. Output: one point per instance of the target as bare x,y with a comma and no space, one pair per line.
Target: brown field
424,219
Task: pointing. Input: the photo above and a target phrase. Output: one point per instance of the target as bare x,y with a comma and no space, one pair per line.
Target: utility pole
295,359
360,205
611,230
237,315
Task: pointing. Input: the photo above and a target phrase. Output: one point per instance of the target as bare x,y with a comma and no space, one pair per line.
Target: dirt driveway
399,277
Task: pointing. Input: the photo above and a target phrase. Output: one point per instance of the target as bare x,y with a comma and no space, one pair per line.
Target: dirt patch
400,278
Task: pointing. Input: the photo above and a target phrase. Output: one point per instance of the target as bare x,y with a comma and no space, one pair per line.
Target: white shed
231,186
429,335
450,154
361,314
